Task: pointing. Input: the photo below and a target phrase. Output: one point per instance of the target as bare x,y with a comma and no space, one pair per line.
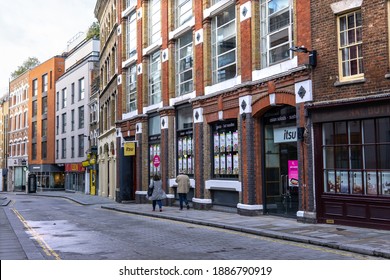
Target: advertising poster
216,142
222,142
372,187
223,164
229,141
293,173
331,183
180,147
185,165
386,183
235,141
184,146
235,164
189,165
216,164
229,162
189,146
357,182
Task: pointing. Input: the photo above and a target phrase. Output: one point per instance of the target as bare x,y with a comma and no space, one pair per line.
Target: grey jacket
158,192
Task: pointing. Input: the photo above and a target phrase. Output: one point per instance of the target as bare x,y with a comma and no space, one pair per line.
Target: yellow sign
85,163
129,148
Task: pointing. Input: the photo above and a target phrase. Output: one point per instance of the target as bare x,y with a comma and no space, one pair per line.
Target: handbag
150,190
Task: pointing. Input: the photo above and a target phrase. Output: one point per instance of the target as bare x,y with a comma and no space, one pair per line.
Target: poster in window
151,152
235,141
180,163
184,146
190,165
356,182
223,164
157,149
371,183
229,141
185,164
342,182
216,142
229,163
216,164
189,145
180,147
330,181
385,181
222,142
292,173
235,164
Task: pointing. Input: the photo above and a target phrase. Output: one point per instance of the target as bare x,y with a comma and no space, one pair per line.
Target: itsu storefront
280,180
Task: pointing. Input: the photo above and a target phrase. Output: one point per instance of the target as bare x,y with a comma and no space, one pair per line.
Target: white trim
248,101
129,61
276,69
223,185
249,207
128,10
182,98
129,115
248,7
202,201
345,6
222,86
141,192
215,9
152,48
152,107
182,29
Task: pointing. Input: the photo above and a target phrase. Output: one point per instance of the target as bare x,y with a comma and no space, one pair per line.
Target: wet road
62,229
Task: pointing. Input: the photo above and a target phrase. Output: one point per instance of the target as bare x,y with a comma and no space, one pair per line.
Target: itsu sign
285,134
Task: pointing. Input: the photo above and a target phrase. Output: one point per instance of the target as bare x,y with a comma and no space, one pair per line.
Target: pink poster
293,173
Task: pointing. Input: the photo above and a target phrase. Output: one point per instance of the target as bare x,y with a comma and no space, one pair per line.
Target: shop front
280,157
352,163
75,177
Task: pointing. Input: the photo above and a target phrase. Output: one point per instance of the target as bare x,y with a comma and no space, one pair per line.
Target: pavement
365,241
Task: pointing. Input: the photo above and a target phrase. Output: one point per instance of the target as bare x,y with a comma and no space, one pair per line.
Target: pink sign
156,161
293,173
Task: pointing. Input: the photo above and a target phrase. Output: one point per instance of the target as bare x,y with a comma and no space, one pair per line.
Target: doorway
280,162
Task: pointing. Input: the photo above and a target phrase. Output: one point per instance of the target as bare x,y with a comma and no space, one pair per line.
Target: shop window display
225,143
356,157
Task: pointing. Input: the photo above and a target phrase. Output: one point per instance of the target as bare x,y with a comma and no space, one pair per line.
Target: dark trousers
183,198
159,202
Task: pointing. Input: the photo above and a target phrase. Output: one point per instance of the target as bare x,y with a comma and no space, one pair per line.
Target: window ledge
359,81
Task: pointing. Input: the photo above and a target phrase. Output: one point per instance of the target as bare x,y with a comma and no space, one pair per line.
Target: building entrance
280,162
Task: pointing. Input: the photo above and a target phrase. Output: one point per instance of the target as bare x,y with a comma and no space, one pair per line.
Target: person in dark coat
158,193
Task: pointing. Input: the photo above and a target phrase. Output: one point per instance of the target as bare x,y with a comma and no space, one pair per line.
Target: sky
38,28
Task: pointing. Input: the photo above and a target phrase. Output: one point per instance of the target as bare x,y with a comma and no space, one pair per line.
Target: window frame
349,46
154,96
131,88
181,72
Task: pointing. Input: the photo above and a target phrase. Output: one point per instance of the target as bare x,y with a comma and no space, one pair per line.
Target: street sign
156,161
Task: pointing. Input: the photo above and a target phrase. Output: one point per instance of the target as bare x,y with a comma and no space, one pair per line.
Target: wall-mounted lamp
272,99
312,54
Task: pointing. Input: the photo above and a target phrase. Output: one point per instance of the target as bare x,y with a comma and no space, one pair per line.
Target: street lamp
312,54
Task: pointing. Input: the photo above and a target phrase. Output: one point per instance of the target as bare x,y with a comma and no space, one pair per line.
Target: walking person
158,193
183,187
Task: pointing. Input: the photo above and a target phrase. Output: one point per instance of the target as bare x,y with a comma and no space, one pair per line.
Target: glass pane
341,133
329,157
226,16
384,157
342,180
343,39
354,67
226,59
342,157
327,130
369,131
351,21
383,130
353,52
329,181
280,53
356,157
277,5
356,182
227,73
278,38
279,21
343,23
385,182
351,37
370,157
371,183
354,132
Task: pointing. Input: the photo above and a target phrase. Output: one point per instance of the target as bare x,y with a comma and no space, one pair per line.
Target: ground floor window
185,141
356,156
225,152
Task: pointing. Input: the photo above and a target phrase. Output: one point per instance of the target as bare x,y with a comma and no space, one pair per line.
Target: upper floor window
350,46
81,89
276,25
131,42
81,117
35,87
72,93
154,21
224,45
44,83
131,3
183,12
131,94
184,70
154,78
64,98
44,105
